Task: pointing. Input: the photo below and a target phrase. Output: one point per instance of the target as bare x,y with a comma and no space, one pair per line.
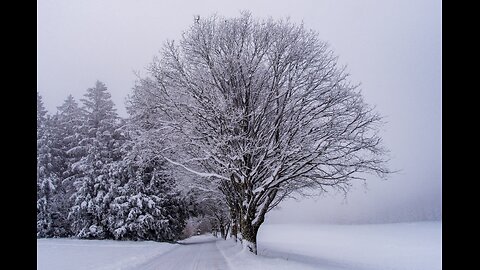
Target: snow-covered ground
70,254
410,246
281,246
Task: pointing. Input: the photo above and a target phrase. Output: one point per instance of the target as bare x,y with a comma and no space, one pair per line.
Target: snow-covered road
199,252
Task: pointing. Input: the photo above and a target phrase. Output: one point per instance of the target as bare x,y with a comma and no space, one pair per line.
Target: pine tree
146,206
48,160
41,115
92,181
70,118
96,181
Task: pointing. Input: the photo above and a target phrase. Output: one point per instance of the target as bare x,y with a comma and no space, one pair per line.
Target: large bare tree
261,110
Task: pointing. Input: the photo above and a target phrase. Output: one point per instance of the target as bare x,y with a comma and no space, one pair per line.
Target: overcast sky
392,47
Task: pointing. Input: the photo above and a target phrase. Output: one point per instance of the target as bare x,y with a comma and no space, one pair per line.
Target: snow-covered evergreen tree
41,114
89,214
44,183
146,205
96,181
48,168
69,120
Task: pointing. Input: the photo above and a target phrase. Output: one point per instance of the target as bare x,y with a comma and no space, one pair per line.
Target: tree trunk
234,231
224,227
239,223
227,229
249,229
249,234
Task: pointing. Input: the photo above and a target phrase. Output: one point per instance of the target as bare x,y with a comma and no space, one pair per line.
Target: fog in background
393,48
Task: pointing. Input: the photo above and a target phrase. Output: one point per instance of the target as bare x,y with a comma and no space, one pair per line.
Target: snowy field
375,246
281,246
57,254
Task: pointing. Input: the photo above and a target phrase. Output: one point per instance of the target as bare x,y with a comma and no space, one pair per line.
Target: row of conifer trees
97,178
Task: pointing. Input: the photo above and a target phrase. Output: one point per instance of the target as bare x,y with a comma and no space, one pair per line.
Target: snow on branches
264,108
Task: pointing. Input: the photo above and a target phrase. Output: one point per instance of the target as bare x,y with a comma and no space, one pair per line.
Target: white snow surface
280,246
395,246
72,254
